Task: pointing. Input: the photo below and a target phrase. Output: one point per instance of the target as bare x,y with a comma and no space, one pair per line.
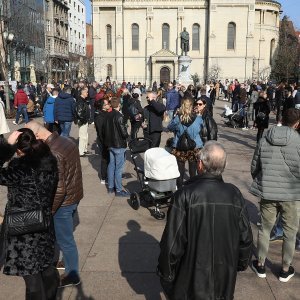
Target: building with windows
77,37
24,21
139,40
56,60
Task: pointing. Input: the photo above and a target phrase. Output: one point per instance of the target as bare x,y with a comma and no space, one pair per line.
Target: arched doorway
164,74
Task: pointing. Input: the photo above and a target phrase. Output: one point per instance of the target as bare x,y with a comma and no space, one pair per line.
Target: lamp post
8,38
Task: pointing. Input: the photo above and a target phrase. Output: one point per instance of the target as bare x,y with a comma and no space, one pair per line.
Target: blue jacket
173,99
64,108
193,130
48,110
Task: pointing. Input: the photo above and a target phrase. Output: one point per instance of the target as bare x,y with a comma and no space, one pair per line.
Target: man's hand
12,139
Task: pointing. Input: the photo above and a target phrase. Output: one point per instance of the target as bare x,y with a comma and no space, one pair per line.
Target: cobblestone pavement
119,246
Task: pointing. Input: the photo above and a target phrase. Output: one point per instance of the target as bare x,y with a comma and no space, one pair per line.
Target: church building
139,40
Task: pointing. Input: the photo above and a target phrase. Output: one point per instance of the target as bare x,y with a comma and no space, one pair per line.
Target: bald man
207,238
68,194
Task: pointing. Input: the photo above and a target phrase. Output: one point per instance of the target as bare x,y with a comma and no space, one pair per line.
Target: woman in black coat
209,130
31,178
261,114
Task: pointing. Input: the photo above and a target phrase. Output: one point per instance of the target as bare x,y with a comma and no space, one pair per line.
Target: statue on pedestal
184,42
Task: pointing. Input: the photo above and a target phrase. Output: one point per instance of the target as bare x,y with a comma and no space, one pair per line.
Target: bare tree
214,72
287,54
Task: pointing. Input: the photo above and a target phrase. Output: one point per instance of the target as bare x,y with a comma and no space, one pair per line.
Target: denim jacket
193,130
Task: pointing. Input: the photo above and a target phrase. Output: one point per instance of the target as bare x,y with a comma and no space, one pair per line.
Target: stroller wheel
159,215
134,201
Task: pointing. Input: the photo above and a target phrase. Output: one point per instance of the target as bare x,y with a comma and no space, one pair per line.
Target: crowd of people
44,173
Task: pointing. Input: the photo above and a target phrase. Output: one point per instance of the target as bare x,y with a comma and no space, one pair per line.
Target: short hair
67,89
291,117
213,157
115,102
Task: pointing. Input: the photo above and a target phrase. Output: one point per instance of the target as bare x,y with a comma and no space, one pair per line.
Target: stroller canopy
159,164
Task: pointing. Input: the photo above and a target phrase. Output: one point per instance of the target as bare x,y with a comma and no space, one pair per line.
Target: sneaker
122,194
60,265
276,238
245,128
69,280
15,123
286,276
110,191
259,270
102,181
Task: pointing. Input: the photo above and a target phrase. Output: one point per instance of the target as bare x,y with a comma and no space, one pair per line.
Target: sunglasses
199,104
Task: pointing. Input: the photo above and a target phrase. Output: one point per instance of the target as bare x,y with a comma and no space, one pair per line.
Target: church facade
139,40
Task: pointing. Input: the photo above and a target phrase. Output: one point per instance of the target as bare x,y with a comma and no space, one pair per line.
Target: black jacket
82,111
31,184
138,107
261,105
210,129
114,131
100,119
207,239
153,114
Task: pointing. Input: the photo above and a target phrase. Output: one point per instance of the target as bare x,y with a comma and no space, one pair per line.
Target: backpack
133,112
185,143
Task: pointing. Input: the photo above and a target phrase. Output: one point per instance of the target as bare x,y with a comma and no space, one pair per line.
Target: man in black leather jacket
207,238
115,139
82,117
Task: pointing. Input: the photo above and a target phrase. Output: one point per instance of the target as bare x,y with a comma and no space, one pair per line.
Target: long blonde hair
186,110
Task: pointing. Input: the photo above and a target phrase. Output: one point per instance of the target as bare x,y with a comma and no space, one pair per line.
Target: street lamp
8,38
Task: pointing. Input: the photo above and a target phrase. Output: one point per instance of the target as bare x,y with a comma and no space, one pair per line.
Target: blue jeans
22,110
63,224
115,168
65,128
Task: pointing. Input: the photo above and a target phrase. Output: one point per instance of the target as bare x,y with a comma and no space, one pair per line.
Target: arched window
231,36
165,36
108,37
272,50
196,37
135,36
109,70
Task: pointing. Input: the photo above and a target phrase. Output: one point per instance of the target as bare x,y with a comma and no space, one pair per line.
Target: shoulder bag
20,221
185,143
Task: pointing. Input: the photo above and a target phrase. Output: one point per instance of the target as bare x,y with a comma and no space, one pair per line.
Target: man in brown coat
68,194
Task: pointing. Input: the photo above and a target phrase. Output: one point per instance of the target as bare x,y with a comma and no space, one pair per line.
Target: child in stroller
232,119
157,180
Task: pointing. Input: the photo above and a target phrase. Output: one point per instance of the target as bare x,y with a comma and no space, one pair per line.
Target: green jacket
275,166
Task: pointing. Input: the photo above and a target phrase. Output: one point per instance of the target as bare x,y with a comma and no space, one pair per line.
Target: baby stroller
232,119
157,179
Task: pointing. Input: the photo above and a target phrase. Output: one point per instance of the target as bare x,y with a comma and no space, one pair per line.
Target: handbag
185,143
20,221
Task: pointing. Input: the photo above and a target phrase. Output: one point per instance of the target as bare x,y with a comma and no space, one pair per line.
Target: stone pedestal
184,75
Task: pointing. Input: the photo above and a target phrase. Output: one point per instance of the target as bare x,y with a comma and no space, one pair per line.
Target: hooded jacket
20,98
207,239
275,166
64,108
173,99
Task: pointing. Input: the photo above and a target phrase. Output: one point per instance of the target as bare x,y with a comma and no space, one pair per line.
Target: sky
290,8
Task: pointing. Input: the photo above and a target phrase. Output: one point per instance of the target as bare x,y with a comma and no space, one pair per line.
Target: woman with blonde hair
186,126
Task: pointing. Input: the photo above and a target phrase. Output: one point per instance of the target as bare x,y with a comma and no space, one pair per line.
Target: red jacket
20,98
